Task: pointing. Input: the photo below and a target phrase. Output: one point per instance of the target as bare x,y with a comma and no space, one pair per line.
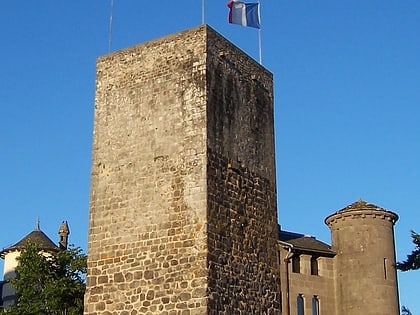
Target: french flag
245,14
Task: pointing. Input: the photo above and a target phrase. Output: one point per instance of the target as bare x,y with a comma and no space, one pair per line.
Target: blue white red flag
245,14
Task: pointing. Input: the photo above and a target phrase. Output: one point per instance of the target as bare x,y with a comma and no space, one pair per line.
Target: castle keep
183,216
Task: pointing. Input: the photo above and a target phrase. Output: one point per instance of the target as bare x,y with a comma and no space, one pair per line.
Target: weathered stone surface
183,215
362,236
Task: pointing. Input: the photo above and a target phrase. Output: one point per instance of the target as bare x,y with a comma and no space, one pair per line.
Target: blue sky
347,96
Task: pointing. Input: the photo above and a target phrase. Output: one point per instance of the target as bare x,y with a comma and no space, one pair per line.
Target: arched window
315,305
300,305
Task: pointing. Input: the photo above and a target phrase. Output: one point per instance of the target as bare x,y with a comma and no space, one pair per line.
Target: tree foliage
406,311
413,260
49,283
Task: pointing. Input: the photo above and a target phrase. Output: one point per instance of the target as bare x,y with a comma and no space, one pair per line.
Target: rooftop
36,236
305,243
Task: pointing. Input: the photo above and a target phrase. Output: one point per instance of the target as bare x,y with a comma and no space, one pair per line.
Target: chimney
63,232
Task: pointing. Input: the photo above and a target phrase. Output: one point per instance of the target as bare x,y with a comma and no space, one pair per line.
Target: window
385,270
300,305
314,265
296,263
315,305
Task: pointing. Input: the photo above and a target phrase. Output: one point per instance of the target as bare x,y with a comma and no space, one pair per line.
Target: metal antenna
110,26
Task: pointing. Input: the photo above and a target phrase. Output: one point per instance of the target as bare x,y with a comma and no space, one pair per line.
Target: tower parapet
361,209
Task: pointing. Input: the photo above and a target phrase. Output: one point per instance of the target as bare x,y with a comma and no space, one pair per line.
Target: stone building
183,216
11,253
356,275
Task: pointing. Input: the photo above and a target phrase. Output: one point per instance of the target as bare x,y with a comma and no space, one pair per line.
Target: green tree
413,260
411,263
49,283
406,311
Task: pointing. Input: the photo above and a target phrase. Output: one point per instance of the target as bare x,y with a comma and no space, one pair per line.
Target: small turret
366,279
64,233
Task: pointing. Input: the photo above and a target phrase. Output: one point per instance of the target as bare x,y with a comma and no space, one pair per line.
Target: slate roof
305,243
36,236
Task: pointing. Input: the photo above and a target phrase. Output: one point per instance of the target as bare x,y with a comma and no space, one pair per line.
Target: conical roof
361,207
36,236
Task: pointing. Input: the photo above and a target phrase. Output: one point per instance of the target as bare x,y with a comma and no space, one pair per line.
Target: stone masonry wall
183,216
147,237
365,274
242,230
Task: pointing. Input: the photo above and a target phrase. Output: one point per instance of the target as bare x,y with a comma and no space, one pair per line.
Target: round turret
366,280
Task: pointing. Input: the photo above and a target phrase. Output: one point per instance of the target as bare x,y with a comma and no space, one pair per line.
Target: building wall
183,216
307,285
242,212
147,236
9,272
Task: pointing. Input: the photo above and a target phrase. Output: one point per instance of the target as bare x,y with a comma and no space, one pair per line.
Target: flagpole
110,26
259,46
202,12
259,34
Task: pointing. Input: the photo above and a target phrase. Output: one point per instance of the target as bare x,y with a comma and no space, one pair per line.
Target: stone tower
365,279
183,213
